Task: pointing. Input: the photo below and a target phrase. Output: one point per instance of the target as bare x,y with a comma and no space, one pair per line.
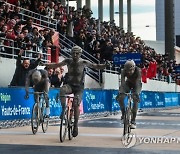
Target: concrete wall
110,81
7,67
91,83
153,85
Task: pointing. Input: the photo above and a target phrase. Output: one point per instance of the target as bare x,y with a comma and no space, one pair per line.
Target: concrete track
156,132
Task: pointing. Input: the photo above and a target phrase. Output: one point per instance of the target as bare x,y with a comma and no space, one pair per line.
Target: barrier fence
13,106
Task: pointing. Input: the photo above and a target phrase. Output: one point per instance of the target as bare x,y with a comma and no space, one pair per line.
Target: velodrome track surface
100,135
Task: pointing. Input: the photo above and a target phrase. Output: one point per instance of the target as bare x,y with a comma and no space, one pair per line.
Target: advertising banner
171,99
114,104
13,105
120,59
147,99
94,101
54,102
158,99
177,69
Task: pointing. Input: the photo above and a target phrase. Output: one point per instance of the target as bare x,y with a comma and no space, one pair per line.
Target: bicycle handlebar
37,92
27,94
126,93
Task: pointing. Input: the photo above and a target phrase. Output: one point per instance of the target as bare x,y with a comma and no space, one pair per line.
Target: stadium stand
45,27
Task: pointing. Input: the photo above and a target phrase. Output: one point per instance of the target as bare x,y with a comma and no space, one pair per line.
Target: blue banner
94,101
158,99
54,102
111,97
14,106
177,69
147,99
120,59
171,99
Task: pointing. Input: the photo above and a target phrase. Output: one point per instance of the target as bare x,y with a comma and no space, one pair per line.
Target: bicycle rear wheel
45,121
70,124
34,119
63,127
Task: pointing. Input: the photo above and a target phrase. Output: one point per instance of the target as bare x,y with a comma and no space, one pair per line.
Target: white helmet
36,76
130,64
76,49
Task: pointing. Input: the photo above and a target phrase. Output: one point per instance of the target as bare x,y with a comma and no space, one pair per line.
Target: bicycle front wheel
70,124
34,119
63,126
45,121
127,117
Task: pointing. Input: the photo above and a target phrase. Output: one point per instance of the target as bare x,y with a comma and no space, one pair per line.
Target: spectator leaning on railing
22,69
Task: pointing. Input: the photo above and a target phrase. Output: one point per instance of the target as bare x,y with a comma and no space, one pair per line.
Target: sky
143,16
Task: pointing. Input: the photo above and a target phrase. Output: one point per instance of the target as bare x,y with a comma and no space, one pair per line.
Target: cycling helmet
130,64
36,76
76,49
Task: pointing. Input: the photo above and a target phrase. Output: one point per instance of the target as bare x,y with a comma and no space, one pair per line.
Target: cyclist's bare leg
36,99
46,90
76,104
136,98
120,98
135,107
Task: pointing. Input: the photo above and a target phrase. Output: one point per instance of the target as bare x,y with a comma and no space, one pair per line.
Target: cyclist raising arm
130,81
40,81
74,84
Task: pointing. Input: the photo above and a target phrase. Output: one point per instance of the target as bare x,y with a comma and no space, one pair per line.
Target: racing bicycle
39,113
128,114
67,119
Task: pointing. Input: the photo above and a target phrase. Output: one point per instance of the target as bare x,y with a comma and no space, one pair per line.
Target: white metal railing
11,51
69,44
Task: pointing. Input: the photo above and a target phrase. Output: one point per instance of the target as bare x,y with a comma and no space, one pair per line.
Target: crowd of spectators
100,39
18,34
56,77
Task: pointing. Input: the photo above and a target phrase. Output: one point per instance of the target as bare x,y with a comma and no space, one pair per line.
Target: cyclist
74,80
40,81
130,81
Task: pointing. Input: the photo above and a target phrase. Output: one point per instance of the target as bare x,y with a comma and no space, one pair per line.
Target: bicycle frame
129,104
39,102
